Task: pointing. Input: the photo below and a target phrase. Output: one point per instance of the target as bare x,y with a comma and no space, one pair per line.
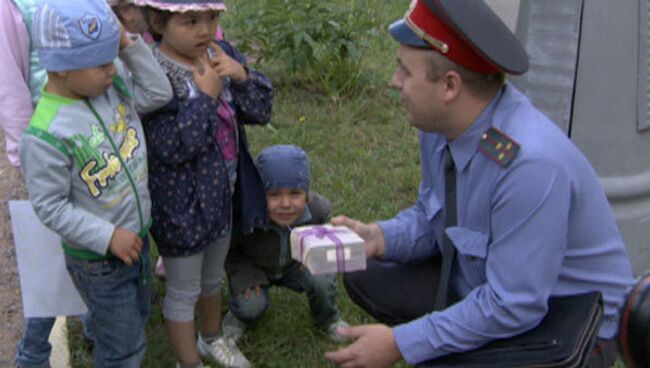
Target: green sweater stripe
92,256
49,138
47,109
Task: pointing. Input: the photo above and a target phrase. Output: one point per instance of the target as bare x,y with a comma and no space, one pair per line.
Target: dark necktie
448,250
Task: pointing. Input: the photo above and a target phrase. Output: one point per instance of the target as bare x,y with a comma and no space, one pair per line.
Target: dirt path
11,311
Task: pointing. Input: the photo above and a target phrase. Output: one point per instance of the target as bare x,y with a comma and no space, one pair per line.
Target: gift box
328,248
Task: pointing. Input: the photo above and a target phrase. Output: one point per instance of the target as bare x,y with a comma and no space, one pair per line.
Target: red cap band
423,22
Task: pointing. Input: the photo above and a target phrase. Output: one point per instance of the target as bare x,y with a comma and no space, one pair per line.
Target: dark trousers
604,354
395,293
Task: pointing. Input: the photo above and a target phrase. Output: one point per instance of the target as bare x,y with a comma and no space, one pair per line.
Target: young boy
262,259
85,165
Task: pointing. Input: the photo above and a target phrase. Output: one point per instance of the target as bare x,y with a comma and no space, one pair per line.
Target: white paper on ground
45,284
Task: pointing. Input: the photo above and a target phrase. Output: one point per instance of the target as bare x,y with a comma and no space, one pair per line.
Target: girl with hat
198,160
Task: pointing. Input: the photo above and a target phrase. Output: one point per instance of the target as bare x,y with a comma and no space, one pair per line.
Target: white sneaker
333,334
223,351
232,327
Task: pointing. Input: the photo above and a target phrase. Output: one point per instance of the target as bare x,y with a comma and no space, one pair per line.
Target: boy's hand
125,245
125,40
207,79
225,66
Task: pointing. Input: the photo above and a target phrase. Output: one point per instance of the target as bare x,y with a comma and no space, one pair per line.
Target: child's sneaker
223,351
232,327
159,270
332,331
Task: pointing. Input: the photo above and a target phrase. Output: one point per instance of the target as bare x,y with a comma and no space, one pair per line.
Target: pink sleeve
219,34
148,38
15,99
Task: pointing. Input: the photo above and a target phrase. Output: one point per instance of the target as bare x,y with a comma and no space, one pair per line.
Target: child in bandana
263,259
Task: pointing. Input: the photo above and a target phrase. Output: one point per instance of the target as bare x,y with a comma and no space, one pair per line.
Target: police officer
514,208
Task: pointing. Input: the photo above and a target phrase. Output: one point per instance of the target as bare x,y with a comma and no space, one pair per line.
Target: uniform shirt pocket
471,246
430,203
430,207
468,242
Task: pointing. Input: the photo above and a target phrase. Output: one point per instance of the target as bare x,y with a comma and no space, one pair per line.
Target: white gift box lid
316,247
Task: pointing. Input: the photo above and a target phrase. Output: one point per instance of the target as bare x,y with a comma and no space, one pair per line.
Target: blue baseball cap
75,34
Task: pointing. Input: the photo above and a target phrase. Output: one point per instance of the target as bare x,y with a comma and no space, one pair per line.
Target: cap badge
90,26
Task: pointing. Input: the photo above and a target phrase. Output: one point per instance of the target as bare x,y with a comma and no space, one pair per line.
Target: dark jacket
266,253
188,179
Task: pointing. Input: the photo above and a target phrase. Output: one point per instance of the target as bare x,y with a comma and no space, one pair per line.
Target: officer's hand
374,347
371,233
125,245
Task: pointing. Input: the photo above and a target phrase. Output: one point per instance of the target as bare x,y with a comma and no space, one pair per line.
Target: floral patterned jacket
192,201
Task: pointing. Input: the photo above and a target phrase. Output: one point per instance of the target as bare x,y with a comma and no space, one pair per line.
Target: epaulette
498,146
120,85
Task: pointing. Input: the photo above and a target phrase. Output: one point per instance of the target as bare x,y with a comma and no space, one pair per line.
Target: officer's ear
452,84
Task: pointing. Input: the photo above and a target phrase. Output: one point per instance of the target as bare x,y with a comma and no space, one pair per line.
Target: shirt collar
465,147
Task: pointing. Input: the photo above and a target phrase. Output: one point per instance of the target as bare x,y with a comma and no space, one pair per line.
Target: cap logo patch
90,26
434,42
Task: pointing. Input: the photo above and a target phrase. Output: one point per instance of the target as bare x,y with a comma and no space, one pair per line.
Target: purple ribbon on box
321,232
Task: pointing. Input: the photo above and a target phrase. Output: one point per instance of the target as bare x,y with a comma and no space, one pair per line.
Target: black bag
564,338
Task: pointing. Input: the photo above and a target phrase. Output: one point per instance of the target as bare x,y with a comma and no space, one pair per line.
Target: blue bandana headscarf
284,166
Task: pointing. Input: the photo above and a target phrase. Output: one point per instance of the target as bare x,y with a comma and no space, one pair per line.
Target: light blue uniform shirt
540,226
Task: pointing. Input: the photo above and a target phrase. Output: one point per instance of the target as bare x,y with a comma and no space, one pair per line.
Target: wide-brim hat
467,32
634,329
180,6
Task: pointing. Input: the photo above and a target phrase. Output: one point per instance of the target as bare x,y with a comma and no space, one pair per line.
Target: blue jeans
320,290
118,298
33,349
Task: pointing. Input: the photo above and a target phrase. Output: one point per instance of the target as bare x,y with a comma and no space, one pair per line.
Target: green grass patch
321,46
